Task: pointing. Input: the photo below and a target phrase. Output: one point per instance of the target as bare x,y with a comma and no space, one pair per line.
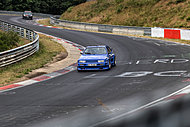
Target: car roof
28,11
96,46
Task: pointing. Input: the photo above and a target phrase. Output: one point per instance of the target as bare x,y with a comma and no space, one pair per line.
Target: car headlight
100,61
82,61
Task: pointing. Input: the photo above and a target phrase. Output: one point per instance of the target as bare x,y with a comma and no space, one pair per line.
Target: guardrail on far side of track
171,33
22,52
20,13
132,30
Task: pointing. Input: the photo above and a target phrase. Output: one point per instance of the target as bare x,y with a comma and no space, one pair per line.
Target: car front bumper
93,66
27,17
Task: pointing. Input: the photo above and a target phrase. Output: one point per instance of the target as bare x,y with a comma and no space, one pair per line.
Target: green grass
45,22
15,72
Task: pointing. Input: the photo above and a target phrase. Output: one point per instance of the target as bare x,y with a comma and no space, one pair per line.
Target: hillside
148,13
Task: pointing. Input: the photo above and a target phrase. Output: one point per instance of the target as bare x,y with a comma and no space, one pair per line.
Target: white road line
157,44
98,77
140,108
26,82
90,76
187,91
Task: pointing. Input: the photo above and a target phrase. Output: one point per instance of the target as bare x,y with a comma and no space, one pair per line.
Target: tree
39,6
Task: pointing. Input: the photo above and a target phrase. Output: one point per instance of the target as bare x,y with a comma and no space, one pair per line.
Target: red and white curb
170,33
45,25
44,77
180,93
38,79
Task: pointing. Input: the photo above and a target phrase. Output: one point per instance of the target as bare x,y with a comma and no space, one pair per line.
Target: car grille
92,61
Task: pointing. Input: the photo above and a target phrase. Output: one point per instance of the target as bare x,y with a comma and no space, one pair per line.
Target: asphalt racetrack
146,70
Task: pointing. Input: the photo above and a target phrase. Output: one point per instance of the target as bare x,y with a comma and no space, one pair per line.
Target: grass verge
45,22
16,72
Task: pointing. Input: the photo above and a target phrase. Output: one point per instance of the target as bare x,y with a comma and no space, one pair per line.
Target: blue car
96,58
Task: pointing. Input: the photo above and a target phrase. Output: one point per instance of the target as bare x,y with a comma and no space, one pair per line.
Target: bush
188,19
140,3
119,8
70,9
40,6
8,40
179,1
118,1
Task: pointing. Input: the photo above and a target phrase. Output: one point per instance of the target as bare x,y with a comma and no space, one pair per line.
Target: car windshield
95,50
27,13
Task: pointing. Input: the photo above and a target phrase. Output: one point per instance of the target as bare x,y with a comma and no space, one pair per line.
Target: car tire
79,70
114,63
109,66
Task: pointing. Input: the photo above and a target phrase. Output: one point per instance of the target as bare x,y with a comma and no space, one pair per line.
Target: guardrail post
5,27
1,25
38,46
19,31
31,35
24,33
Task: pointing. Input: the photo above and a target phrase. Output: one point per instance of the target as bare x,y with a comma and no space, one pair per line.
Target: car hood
92,57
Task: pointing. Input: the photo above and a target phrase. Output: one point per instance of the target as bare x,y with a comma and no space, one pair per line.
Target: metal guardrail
22,52
144,31
20,13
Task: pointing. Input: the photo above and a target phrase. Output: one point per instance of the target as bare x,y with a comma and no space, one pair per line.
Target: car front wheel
79,70
114,63
109,66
